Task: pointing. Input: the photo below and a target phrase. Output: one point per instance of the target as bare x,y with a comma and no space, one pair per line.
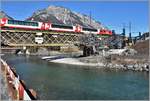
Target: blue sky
111,14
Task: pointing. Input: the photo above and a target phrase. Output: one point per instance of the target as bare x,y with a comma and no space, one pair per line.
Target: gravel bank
105,62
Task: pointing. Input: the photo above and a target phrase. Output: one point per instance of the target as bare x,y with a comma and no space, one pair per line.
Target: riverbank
108,62
73,61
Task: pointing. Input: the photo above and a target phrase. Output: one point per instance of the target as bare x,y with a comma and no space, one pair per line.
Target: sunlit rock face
61,15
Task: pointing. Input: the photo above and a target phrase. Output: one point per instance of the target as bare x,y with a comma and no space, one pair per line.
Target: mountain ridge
62,15
4,15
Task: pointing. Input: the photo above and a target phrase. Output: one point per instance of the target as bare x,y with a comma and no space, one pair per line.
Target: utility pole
123,29
130,30
113,32
130,36
139,34
123,33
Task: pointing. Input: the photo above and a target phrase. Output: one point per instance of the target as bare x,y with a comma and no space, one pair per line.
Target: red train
32,25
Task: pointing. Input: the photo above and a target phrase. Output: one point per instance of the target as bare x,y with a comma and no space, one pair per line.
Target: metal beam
46,32
36,45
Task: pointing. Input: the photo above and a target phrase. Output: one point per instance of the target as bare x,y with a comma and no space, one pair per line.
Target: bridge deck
46,45
42,31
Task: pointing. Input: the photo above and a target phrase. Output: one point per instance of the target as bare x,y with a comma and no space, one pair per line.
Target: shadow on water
59,81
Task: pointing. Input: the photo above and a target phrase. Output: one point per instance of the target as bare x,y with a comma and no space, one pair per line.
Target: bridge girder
27,38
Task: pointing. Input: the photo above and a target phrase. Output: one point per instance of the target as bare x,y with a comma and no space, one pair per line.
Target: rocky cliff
61,15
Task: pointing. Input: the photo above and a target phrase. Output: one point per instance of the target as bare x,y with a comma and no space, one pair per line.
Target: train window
89,29
16,22
30,24
10,21
34,24
61,26
27,23
22,23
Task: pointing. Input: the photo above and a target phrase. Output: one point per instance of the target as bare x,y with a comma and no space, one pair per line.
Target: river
54,81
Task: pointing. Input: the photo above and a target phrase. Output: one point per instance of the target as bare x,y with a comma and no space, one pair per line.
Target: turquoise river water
54,81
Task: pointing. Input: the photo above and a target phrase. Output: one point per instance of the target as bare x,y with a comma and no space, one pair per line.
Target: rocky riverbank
134,63
104,63
133,67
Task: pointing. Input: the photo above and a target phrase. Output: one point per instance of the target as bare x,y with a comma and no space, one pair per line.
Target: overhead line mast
129,29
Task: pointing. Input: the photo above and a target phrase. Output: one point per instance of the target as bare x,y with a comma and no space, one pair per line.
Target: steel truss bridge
20,38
